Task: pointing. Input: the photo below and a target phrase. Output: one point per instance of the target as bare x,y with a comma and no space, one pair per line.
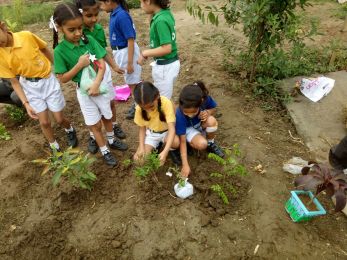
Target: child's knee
211,122
96,127
199,144
45,123
60,120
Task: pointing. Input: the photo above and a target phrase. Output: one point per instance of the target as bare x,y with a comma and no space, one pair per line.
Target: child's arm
185,171
131,44
141,149
112,64
83,61
94,88
157,52
206,113
20,93
169,141
48,54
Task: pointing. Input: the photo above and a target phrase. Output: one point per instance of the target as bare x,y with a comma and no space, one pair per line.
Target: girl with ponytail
71,56
156,118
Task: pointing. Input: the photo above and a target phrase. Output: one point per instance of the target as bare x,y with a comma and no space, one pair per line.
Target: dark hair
84,4
144,93
122,3
191,97
163,4
63,13
203,88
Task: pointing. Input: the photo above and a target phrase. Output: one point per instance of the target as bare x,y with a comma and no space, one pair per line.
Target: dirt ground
122,219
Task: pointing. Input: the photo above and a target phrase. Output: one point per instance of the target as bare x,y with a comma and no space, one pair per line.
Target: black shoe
92,146
214,148
175,157
109,159
72,138
131,113
119,145
118,132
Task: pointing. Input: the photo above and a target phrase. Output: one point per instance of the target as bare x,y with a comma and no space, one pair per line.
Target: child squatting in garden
71,56
195,122
90,12
163,47
26,55
122,39
155,116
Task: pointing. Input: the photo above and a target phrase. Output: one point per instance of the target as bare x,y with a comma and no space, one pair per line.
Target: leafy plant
180,179
320,177
229,166
71,165
17,114
151,164
132,4
4,135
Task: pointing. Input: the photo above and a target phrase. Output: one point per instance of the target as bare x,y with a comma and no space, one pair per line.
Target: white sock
210,141
110,137
92,135
114,123
69,130
54,145
104,150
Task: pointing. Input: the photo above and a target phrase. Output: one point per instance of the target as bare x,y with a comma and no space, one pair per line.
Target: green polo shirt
163,32
98,33
66,55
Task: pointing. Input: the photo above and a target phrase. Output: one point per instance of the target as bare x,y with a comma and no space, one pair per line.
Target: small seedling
181,180
4,135
72,165
126,163
150,165
17,114
229,167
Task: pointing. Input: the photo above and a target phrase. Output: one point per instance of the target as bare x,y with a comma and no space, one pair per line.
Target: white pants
164,77
121,59
191,132
153,139
43,94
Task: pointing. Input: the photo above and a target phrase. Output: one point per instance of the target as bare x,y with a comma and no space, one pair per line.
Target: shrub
17,114
4,135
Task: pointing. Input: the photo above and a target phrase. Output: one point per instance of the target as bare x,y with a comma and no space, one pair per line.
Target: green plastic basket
297,210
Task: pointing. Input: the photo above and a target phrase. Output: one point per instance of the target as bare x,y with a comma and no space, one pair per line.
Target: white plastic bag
185,191
294,165
87,79
316,88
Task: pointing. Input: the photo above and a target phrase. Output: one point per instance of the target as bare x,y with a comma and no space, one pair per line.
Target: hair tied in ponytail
52,24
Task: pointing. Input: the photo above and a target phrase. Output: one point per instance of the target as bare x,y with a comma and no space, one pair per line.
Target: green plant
4,135
72,165
133,4
229,166
180,179
150,164
17,114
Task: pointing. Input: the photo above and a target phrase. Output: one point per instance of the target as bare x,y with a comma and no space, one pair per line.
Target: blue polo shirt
121,27
183,121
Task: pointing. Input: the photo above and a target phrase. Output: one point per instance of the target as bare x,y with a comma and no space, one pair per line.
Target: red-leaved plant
319,177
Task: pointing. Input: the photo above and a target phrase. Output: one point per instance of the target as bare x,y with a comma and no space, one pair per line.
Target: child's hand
185,171
204,115
138,156
84,61
118,70
31,112
130,68
162,158
94,90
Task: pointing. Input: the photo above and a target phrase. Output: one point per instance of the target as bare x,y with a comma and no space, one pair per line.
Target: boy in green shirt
163,45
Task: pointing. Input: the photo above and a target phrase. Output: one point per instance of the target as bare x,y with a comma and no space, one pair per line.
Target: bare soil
124,219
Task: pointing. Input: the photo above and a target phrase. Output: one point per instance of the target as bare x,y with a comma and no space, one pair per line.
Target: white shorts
191,132
93,108
121,58
153,139
164,77
43,94
108,80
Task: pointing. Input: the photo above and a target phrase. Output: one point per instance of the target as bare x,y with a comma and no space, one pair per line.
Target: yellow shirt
154,122
24,58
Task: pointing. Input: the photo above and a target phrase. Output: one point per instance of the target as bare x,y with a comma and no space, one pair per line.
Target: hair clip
81,10
52,24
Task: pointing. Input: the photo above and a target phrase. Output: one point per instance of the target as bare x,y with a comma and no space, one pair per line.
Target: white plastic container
185,191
